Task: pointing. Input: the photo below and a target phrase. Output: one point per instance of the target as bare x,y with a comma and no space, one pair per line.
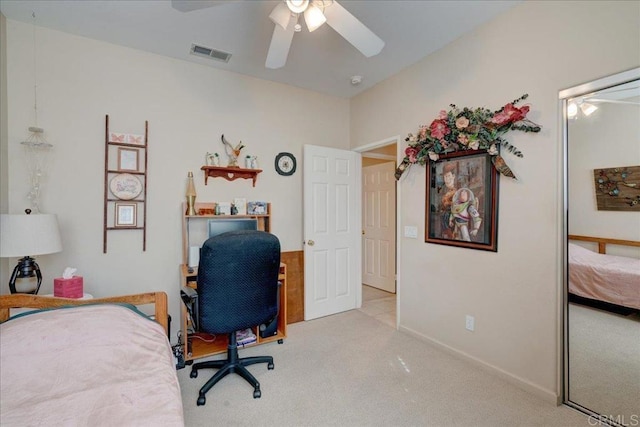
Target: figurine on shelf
212,159
254,162
247,162
232,152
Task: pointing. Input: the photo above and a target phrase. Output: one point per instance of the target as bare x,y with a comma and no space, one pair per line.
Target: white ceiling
321,61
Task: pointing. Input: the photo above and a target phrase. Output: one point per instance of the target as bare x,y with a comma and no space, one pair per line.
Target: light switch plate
411,231
470,323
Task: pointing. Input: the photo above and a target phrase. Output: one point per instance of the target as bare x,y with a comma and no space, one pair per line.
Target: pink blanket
91,365
608,278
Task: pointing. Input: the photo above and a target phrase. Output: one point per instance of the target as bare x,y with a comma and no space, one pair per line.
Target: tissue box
68,288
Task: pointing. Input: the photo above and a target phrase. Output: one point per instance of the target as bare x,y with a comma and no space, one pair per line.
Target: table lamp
20,235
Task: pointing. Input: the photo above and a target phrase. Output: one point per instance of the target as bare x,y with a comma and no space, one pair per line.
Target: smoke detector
356,80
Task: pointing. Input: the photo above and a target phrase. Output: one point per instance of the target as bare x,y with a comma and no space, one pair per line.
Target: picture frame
224,208
128,159
462,201
126,214
256,208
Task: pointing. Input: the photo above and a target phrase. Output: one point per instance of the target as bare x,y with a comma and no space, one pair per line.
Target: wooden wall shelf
230,174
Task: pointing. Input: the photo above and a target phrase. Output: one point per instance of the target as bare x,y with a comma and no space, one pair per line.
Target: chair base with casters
233,364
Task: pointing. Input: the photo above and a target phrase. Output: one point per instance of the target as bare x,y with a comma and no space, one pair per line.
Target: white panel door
379,226
332,259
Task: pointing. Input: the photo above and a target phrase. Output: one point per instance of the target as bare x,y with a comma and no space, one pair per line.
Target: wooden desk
195,348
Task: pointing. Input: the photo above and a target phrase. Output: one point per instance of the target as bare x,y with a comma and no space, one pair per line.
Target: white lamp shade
314,17
281,15
29,235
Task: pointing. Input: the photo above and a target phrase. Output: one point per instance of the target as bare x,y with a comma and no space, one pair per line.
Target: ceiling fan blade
354,31
279,48
189,5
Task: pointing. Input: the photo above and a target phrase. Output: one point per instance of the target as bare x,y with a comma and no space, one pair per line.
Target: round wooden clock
285,164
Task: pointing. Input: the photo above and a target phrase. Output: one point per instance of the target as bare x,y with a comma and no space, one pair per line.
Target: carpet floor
351,369
604,361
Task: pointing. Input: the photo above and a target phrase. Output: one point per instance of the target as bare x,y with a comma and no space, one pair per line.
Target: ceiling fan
286,17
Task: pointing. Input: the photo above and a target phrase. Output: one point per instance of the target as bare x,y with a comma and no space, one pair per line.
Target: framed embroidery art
126,214
128,159
462,201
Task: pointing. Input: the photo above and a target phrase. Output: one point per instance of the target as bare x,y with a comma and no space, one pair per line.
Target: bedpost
162,311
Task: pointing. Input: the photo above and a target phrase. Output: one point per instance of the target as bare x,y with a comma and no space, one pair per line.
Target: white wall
188,107
538,47
4,160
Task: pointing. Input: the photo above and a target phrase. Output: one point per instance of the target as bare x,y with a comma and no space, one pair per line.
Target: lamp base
191,203
25,271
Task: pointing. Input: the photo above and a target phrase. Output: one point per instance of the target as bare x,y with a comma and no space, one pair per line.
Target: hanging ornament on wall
36,147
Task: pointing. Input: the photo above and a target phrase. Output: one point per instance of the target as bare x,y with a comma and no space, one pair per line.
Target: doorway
379,230
378,224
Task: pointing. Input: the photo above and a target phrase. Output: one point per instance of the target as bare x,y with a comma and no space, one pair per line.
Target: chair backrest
238,281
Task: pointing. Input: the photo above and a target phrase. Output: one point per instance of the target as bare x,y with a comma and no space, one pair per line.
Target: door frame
399,151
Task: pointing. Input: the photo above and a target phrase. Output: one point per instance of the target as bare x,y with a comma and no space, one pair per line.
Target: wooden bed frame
158,299
603,242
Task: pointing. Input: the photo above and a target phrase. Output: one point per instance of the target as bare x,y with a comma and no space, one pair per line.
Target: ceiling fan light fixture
588,109
297,6
281,15
314,17
572,110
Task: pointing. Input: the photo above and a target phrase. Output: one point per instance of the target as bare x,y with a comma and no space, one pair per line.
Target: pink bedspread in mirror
91,365
608,278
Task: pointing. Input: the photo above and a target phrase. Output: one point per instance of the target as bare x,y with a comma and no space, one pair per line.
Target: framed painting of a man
462,201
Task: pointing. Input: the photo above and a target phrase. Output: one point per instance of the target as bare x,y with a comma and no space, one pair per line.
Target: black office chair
237,289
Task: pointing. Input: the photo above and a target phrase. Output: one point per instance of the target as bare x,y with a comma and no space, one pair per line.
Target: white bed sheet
87,366
608,278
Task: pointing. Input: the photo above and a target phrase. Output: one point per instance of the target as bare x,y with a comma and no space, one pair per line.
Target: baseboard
547,395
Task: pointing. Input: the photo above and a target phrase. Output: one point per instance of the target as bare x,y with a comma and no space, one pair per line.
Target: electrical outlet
470,323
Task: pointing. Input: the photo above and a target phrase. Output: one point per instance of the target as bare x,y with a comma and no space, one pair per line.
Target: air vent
218,55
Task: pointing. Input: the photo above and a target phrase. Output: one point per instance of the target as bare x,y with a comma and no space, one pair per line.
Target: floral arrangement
468,129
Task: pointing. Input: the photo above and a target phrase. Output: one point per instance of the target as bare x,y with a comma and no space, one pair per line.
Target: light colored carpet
350,369
604,361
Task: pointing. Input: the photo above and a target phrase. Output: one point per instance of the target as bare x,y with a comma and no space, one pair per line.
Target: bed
87,362
602,277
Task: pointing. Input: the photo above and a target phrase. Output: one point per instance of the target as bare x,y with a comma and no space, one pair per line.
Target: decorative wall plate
125,186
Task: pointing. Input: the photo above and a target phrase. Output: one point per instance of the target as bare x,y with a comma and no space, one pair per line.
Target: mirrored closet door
602,250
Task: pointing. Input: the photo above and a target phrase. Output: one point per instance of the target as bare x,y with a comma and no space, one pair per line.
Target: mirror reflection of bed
603,253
